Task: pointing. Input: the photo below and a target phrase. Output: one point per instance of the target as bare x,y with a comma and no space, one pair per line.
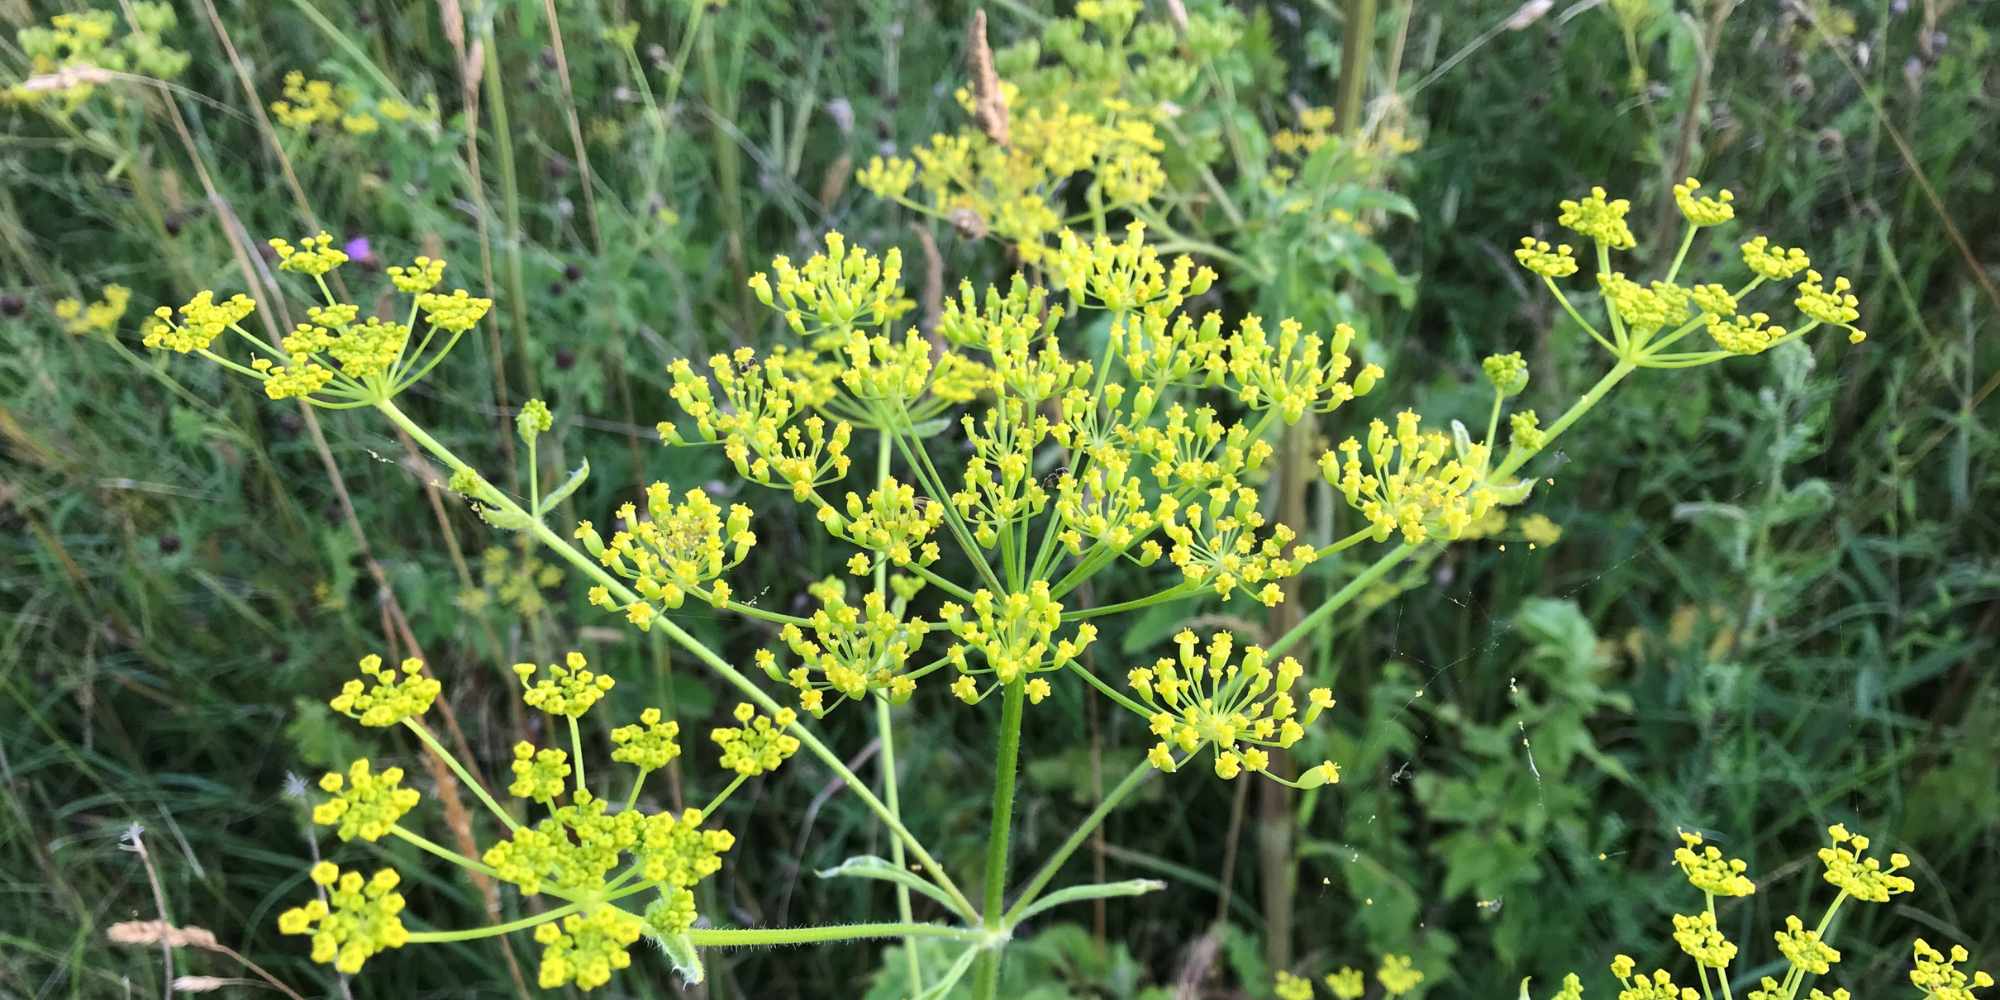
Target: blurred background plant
1756,607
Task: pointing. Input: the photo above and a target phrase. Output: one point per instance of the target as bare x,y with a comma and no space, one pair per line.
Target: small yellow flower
392,699
1599,219
1703,211
1396,976
760,744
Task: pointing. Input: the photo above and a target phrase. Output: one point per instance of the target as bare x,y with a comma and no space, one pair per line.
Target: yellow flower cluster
365,805
681,548
538,774
101,316
569,690
893,521
1396,976
1702,210
392,699
759,400
202,320
1771,262
1708,871
1836,307
515,583
1207,698
314,256
457,312
585,950
1408,489
1535,256
648,744
1599,219
1012,633
1804,949
77,51
836,290
1290,987
1347,983
361,921
1216,544
759,744
1744,334
309,102
1862,878
1703,941
1940,978
851,651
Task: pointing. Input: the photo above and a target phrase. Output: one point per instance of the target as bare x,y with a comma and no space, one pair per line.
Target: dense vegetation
1755,599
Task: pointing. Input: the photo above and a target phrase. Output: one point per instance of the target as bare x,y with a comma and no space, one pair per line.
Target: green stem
458,769
998,838
1173,593
510,193
887,730
576,753
717,802
435,937
1341,597
625,595
1577,410
449,855
1054,864
763,937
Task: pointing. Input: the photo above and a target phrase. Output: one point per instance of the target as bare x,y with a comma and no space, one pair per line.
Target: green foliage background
1772,609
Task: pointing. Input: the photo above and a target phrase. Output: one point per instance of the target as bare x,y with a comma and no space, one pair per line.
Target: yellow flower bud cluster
310,102
420,277
202,320
1804,949
365,805
361,921
1836,307
1206,697
1396,976
1508,373
1703,211
392,699
1773,263
514,581
1703,941
1013,634
585,949
1644,309
1195,451
893,521
457,312
1001,487
1940,978
572,850
836,290
1008,326
101,316
1862,878
1290,987
851,651
1658,986
648,744
1412,488
1292,376
1744,334
569,690
678,852
538,774
1712,300
1347,983
759,744
1315,129
759,400
1108,506
683,548
1599,219
1709,872
1535,256
315,255
85,39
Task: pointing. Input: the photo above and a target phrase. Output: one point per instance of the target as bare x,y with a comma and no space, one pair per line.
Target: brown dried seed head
968,223
199,984
140,932
989,109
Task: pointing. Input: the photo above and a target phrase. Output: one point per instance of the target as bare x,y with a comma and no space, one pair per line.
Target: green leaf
507,520
1131,887
870,866
568,487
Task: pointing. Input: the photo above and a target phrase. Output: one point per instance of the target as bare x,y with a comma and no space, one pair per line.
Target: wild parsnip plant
968,551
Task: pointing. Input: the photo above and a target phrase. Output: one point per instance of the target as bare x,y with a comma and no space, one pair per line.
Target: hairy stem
998,838
1090,823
